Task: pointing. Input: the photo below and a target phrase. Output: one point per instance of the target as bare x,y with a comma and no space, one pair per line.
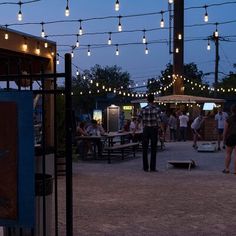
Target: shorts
231,140
220,131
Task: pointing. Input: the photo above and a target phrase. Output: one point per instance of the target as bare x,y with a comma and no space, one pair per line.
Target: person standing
220,119
229,138
151,120
183,126
196,127
173,126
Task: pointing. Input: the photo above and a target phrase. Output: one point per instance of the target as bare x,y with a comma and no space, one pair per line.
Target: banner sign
17,195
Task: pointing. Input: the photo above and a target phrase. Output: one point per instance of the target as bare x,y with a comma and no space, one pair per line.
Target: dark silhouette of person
151,120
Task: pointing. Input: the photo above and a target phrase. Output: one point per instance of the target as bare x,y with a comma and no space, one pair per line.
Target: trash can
40,185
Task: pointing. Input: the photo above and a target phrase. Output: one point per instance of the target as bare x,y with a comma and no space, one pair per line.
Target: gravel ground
120,199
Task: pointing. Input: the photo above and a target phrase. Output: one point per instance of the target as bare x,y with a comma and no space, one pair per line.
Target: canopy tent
181,99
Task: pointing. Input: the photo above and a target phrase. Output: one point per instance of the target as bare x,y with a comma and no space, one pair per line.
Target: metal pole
68,124
178,49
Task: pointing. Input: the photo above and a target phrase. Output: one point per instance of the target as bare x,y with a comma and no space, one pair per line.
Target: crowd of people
152,124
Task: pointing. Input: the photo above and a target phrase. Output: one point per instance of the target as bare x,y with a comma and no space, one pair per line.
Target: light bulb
206,17
216,33
25,46
67,11
6,36
146,49
208,46
20,16
109,39
177,50
144,39
58,61
42,33
77,72
119,25
45,44
179,36
77,43
171,1
117,6
80,30
72,53
117,51
89,52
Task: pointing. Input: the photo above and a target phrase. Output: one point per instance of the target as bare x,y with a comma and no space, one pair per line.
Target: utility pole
217,58
178,48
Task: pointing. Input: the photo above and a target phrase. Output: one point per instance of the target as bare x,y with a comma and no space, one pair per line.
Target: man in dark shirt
151,120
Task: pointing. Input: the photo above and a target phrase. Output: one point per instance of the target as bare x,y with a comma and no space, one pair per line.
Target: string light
37,49
42,32
206,14
146,49
89,52
216,33
58,61
77,72
117,5
72,53
119,25
177,50
80,28
179,36
77,41
162,23
67,10
25,45
117,50
208,45
109,39
20,16
144,36
6,36
46,43
171,1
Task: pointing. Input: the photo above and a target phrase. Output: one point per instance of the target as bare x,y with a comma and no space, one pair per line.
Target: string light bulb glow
67,10
80,28
72,53
77,72
42,31
144,37
146,49
216,33
206,18
162,23
109,39
171,1
45,44
117,50
6,36
89,52
77,41
177,50
25,45
179,36
37,49
119,25
20,16
208,45
117,5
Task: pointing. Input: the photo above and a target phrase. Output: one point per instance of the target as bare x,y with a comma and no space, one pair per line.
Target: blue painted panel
26,161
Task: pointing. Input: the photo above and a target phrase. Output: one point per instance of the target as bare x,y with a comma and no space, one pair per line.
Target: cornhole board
182,164
207,147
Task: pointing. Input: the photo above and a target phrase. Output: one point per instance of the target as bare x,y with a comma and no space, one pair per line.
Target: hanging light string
17,3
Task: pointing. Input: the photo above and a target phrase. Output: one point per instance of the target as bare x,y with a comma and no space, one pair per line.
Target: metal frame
68,142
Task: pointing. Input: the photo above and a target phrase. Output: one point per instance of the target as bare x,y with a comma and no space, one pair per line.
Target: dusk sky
132,57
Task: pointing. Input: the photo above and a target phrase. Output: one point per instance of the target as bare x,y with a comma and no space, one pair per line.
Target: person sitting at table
83,145
96,130
136,130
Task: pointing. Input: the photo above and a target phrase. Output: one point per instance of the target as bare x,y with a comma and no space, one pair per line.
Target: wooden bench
121,147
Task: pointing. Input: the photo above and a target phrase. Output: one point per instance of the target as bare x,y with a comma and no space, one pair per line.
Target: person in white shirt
220,119
196,127
183,125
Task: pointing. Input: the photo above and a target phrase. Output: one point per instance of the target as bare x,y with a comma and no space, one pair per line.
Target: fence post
68,119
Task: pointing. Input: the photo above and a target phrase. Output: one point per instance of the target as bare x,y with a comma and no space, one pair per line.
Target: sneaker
225,171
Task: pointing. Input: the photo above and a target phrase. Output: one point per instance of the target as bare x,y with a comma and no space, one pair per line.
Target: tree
97,83
193,80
